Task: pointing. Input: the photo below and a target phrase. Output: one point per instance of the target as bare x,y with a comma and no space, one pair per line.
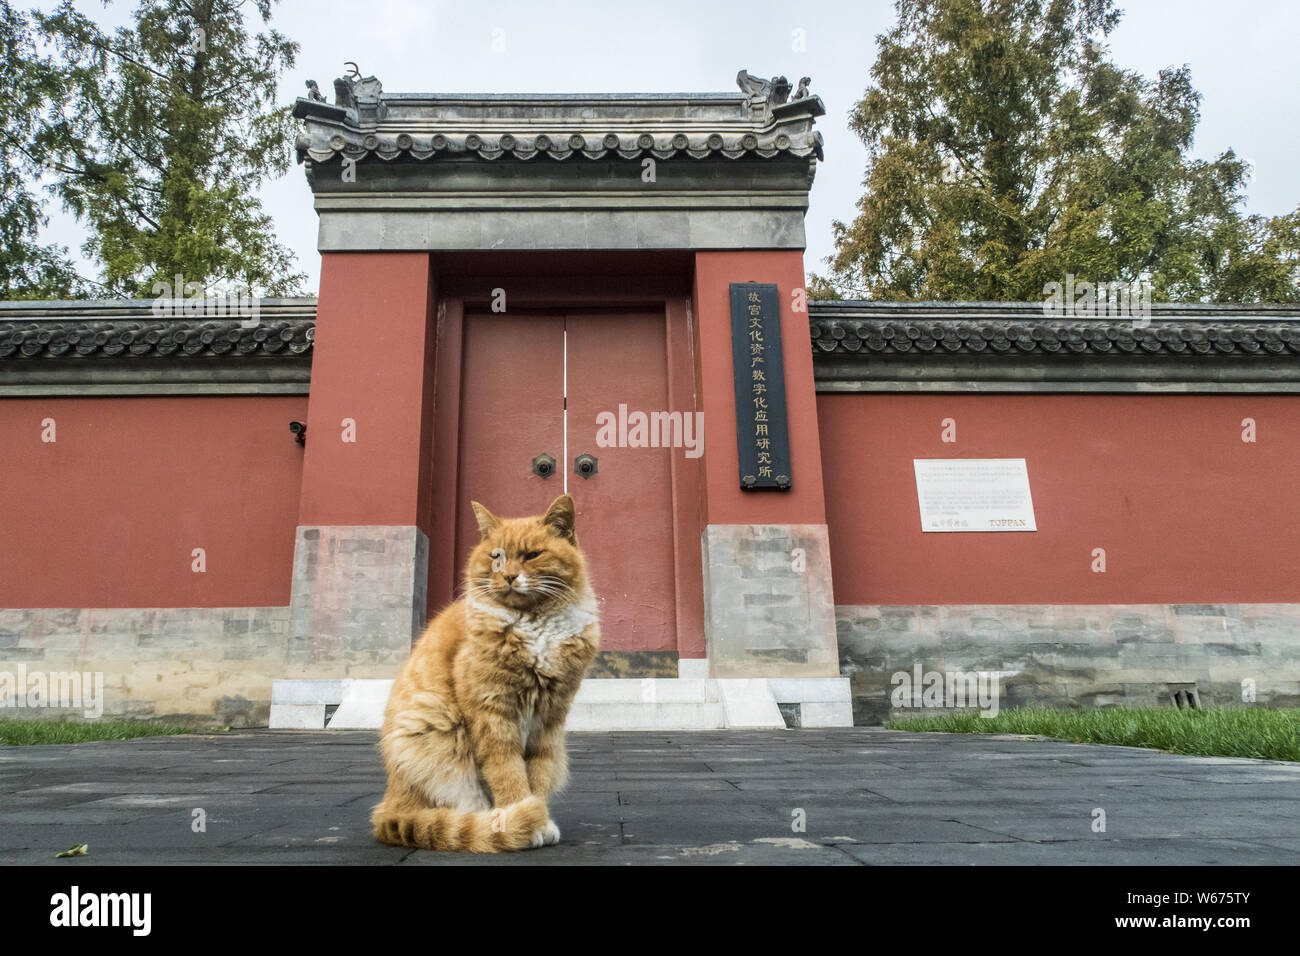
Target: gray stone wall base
769,610
358,598
1076,657
204,665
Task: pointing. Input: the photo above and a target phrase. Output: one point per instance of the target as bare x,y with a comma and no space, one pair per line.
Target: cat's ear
559,517
487,521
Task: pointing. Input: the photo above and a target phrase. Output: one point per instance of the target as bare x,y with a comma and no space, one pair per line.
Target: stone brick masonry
1076,656
768,605
358,596
209,665
216,665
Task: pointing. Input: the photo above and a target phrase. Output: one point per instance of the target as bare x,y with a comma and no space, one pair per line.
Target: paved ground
866,796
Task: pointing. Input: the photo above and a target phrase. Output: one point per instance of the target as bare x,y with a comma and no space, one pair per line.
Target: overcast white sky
1242,55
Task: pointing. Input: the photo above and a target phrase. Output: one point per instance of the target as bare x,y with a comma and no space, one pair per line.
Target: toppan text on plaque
762,436
974,494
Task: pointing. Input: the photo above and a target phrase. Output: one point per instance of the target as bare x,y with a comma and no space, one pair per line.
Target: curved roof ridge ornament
775,91
360,94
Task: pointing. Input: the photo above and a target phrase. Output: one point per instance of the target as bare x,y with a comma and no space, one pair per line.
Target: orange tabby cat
476,718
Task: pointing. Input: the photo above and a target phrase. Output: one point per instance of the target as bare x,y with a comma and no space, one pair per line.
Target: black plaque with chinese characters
762,434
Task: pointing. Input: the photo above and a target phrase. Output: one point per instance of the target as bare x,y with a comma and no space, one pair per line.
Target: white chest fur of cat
543,631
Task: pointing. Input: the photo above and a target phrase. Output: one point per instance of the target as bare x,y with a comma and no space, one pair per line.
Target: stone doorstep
690,703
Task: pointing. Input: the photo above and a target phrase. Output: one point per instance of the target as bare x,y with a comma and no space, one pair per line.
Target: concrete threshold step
693,703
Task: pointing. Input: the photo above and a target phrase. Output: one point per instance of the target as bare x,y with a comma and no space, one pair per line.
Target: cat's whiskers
473,590
550,580
554,590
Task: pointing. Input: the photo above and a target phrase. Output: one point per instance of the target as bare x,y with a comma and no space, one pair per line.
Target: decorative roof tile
365,122
50,337
891,328
857,346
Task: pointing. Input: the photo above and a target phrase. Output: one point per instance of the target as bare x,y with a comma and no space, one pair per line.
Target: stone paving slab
866,795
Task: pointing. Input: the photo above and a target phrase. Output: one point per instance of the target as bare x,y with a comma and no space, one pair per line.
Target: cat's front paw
548,835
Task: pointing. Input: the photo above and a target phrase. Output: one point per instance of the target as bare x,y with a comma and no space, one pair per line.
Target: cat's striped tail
513,827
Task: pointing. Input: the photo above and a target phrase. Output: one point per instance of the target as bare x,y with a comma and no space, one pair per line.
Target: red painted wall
727,504
374,336
108,514
1186,511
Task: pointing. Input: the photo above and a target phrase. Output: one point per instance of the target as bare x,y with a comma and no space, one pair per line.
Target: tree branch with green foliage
1006,151
168,129
29,84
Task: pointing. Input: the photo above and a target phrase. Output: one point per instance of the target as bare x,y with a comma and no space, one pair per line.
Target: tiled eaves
838,330
559,127
134,329
558,146
842,329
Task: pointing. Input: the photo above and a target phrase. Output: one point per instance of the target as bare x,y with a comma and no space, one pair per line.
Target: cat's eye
532,554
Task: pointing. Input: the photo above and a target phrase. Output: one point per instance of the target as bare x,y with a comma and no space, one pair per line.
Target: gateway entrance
532,386
501,278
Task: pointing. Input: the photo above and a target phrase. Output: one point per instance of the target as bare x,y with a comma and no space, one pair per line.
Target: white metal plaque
974,494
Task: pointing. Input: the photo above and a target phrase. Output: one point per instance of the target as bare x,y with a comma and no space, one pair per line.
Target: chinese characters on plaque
761,416
974,494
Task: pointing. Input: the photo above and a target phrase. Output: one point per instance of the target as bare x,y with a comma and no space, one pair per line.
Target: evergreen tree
29,83
169,128
1007,151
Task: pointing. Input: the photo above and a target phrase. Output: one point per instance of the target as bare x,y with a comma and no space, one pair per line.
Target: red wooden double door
533,383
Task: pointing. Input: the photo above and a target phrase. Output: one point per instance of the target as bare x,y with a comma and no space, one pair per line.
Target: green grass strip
1213,732
19,733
